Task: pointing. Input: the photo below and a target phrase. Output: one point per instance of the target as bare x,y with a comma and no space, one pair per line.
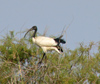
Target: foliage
19,64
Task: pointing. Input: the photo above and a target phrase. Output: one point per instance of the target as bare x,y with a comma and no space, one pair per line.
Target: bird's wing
45,41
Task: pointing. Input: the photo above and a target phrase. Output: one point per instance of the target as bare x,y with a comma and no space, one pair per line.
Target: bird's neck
33,39
34,34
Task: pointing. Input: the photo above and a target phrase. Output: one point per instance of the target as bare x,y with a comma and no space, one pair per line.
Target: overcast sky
19,15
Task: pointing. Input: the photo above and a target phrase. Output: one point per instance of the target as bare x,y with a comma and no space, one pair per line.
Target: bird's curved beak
28,31
33,28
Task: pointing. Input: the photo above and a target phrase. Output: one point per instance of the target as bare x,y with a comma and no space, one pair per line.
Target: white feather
44,41
45,49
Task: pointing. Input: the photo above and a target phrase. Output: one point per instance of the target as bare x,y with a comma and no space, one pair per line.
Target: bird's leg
45,59
42,58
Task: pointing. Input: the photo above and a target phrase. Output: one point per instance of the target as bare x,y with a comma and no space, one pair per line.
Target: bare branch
45,31
65,29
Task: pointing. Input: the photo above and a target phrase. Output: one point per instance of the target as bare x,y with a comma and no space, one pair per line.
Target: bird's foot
40,64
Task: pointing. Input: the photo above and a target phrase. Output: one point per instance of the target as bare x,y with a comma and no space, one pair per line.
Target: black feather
58,40
59,48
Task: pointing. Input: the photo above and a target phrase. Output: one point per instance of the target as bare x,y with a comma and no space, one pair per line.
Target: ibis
46,43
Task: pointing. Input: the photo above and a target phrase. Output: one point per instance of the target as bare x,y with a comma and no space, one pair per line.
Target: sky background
20,15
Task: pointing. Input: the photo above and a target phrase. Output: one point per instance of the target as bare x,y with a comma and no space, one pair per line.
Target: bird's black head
33,28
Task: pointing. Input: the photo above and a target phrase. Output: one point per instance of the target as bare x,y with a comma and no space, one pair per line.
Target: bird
46,43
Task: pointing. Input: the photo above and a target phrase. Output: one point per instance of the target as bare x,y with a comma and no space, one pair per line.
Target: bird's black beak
33,28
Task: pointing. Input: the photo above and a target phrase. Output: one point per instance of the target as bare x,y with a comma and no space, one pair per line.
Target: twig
45,31
64,30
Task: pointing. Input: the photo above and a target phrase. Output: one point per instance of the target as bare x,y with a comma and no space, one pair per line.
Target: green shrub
19,64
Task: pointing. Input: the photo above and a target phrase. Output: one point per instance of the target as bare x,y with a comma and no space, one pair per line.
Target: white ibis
46,43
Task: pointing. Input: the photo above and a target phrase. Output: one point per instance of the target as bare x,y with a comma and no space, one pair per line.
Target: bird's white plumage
45,49
44,41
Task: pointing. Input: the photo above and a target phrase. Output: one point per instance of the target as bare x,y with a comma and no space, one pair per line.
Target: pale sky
19,15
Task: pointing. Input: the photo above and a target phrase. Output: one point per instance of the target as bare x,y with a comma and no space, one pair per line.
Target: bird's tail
59,40
62,41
